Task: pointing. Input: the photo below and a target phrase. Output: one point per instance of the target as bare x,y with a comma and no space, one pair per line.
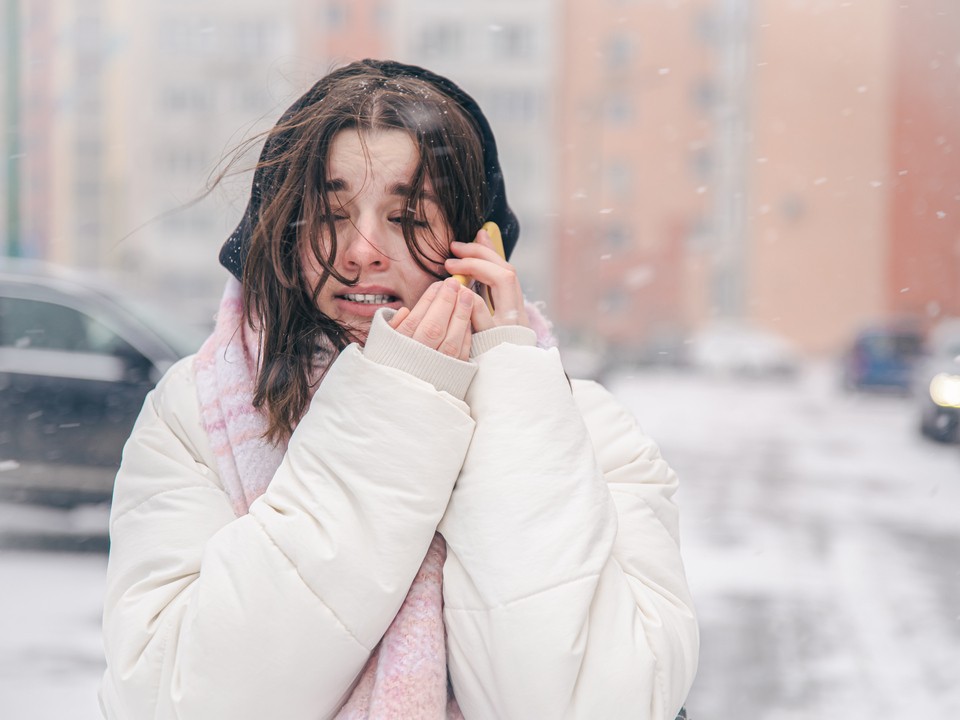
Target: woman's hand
442,318
480,261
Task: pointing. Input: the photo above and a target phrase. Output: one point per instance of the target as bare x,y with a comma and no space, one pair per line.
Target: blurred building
819,172
62,64
638,87
37,107
335,32
784,164
196,81
504,53
923,265
672,162
854,190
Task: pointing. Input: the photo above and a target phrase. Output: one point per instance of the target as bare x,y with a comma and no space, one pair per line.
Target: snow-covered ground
51,657
821,534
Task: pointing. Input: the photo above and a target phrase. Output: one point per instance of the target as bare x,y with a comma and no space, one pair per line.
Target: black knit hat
235,249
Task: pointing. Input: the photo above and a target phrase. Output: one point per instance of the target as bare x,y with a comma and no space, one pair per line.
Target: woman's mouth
365,304
369,299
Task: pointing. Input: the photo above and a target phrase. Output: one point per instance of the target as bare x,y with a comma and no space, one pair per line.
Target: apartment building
505,55
637,153
922,273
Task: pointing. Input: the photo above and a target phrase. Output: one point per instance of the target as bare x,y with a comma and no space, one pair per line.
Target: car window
49,326
908,345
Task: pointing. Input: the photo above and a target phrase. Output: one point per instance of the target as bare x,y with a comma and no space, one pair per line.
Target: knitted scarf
406,675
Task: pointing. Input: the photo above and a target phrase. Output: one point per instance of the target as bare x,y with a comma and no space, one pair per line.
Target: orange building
335,32
923,267
818,169
788,164
635,152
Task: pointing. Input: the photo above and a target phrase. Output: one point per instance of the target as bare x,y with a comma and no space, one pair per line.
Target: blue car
883,359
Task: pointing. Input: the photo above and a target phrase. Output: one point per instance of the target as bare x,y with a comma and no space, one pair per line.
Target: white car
736,348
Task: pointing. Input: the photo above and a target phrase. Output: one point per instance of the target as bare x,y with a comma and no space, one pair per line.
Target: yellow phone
494,232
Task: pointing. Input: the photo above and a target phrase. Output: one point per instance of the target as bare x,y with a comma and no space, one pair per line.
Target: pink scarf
406,675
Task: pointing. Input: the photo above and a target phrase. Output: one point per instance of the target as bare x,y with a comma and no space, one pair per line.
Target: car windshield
907,345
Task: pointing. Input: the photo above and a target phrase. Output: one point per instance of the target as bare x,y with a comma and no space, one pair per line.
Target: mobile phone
493,231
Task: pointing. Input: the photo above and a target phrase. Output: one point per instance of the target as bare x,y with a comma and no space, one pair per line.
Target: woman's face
367,187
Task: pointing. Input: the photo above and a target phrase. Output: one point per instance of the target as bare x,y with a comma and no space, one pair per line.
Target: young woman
370,496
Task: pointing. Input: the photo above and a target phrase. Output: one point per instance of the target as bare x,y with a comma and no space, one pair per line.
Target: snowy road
822,538
822,541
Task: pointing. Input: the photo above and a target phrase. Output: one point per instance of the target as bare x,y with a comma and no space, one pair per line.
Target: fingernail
451,283
465,297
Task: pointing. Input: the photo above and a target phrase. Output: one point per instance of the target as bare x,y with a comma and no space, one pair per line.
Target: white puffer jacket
564,591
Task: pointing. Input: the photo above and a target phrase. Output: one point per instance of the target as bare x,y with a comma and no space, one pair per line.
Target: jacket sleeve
273,614
565,594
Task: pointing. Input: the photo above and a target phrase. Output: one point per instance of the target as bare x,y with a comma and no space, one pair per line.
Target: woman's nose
361,248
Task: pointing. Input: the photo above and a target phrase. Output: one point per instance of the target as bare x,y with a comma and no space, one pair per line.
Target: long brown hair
294,208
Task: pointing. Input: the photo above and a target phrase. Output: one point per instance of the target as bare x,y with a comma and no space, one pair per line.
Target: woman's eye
335,217
413,221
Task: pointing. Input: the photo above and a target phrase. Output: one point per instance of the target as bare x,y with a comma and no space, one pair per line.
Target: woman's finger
431,330
399,317
502,283
480,317
458,330
481,248
409,323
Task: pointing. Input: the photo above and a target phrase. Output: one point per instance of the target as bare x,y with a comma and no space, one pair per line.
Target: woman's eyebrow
404,190
335,185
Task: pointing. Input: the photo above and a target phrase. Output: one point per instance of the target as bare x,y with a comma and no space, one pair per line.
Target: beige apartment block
819,172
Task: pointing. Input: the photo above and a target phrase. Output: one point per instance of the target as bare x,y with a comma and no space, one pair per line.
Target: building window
177,160
699,235
617,237
618,108
441,40
706,26
792,207
615,301
178,36
88,149
705,94
514,105
336,14
513,42
619,178
382,15
701,162
619,51
185,99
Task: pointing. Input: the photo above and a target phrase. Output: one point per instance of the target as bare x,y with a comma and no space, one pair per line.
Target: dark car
883,359
76,362
938,384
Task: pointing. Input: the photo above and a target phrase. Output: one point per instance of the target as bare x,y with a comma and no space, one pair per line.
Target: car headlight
945,390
